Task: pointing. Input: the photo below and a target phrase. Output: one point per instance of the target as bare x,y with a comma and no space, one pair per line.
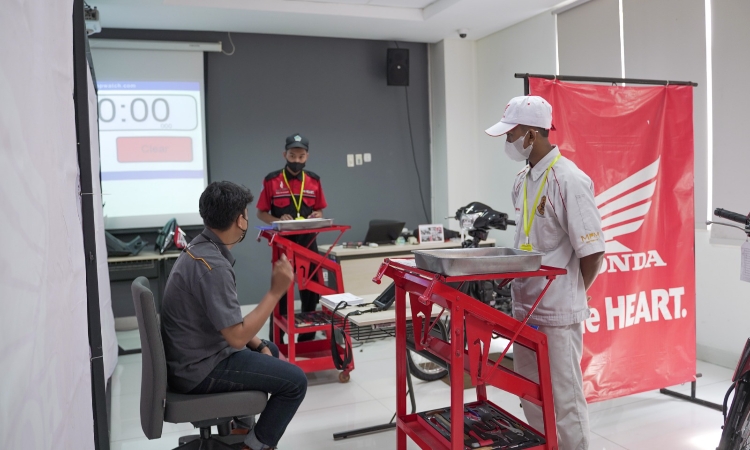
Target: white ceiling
396,3
403,20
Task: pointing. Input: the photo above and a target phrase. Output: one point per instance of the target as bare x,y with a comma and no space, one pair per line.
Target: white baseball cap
529,110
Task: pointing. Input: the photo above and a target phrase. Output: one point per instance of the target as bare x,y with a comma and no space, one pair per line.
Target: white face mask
516,151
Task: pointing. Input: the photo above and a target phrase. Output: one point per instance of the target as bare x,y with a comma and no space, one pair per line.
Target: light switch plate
368,157
358,159
350,160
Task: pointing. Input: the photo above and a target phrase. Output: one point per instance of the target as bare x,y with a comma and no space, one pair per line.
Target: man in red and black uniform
294,193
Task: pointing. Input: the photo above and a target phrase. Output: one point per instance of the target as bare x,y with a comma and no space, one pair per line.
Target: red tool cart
312,356
473,323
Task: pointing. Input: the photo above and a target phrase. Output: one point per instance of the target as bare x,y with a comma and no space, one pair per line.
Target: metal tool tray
477,261
296,225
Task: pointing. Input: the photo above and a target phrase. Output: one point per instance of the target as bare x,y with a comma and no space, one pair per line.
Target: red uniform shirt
276,198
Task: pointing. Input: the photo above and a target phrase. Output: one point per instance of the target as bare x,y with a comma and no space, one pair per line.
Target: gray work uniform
200,300
567,227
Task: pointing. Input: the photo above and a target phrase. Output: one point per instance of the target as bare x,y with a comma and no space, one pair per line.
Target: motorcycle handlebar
733,216
512,222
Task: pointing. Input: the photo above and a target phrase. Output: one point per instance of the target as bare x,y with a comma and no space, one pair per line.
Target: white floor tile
168,441
382,349
599,443
646,421
658,423
315,429
333,394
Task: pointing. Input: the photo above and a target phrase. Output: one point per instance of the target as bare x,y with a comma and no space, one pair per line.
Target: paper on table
745,265
335,299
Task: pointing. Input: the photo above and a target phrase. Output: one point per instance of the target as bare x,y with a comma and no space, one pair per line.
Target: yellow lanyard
297,204
528,221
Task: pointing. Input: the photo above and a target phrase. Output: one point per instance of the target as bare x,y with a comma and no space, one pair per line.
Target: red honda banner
636,144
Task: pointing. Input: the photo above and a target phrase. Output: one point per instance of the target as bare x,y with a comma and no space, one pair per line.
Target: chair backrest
154,371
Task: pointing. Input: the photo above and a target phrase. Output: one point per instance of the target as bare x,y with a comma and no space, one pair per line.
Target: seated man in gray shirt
209,346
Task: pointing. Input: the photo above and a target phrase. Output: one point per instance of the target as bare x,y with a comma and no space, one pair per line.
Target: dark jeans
309,299
247,370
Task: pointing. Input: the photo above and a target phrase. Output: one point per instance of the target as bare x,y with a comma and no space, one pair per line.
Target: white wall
589,39
454,156
527,47
723,302
439,150
731,65
656,31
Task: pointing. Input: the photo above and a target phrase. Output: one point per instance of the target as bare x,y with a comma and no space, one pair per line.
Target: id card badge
527,247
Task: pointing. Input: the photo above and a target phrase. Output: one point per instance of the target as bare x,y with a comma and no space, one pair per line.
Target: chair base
206,444
207,441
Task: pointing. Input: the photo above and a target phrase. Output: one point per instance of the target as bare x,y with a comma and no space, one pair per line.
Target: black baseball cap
297,141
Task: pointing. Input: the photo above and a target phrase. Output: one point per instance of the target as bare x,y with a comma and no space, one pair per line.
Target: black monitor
384,231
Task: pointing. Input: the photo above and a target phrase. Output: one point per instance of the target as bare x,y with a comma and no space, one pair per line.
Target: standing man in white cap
556,215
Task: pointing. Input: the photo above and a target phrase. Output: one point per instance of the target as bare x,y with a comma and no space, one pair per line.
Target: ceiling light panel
402,3
343,2
391,3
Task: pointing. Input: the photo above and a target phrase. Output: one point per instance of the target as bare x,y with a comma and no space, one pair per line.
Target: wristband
263,344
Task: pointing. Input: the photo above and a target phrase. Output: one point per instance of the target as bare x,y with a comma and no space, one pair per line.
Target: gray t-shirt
200,300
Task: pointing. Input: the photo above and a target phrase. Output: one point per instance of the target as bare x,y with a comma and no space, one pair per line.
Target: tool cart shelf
472,327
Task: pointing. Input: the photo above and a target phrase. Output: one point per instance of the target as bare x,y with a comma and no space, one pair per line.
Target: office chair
159,405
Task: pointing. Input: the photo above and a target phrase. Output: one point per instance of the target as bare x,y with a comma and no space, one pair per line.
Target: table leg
457,377
400,365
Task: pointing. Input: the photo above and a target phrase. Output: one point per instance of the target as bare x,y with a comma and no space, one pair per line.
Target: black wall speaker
398,67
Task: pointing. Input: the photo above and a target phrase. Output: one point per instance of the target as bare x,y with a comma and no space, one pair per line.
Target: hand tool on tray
447,425
436,424
488,417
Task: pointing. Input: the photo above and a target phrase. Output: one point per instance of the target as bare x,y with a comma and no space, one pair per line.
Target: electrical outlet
368,157
358,158
349,160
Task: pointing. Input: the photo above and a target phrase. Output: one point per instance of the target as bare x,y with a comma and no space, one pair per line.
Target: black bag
116,247
170,235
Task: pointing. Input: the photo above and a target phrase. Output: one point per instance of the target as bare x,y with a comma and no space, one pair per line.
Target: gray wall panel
731,64
589,39
332,90
666,40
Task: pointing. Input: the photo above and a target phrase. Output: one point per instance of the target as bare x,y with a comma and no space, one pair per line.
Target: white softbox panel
45,399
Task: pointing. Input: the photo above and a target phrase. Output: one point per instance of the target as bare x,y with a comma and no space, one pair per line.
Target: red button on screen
154,149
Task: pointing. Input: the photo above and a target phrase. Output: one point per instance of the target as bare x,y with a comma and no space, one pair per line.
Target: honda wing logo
623,209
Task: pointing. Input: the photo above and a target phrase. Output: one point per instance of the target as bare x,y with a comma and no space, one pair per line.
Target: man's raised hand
281,277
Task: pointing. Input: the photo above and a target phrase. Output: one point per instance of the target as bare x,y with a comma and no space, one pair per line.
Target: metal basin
477,261
296,225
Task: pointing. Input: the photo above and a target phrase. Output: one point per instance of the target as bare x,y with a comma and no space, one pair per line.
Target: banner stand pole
526,77
526,90
692,398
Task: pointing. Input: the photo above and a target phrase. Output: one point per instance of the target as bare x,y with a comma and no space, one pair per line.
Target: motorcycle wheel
422,367
736,434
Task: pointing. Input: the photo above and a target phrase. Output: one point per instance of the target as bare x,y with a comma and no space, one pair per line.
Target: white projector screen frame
152,130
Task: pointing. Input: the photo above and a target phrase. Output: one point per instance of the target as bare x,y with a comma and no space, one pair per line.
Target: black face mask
295,166
244,233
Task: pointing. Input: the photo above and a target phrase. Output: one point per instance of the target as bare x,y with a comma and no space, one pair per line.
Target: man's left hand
267,351
316,215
